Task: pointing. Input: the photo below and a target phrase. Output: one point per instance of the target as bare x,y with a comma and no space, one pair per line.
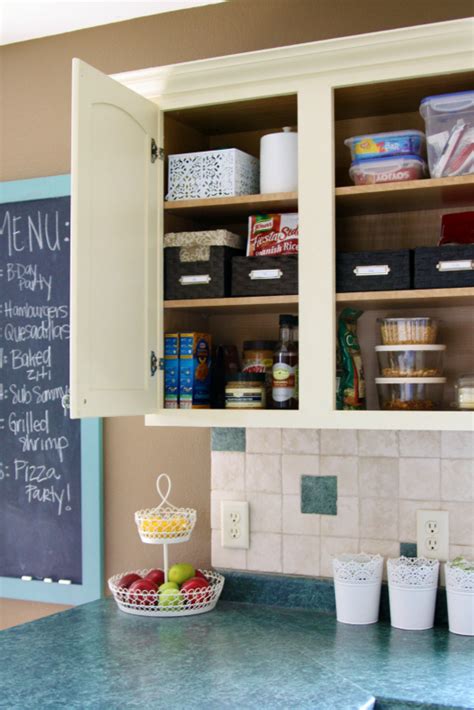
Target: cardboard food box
195,371
171,370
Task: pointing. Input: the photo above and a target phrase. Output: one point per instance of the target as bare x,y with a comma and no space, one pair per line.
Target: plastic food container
415,361
410,393
387,168
449,120
408,331
464,391
374,145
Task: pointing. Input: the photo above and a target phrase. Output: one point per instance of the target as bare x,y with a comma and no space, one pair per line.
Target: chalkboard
41,487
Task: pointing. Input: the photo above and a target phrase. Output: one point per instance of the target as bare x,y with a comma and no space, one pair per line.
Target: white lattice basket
460,596
166,523
357,585
358,568
173,603
412,588
413,572
212,173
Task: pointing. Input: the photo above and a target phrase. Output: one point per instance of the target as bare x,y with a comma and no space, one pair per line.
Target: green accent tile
408,549
228,439
319,494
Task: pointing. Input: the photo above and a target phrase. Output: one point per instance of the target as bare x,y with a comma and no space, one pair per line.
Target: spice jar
464,390
258,357
245,390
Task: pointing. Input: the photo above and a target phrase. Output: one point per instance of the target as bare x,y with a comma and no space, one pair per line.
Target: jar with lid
258,358
464,391
245,390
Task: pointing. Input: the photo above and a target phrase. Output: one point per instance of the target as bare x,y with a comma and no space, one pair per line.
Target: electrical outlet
432,534
235,524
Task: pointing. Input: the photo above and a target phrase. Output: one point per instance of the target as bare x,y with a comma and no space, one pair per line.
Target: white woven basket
195,601
166,523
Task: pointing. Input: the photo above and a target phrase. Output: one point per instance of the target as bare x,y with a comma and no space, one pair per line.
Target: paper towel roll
279,162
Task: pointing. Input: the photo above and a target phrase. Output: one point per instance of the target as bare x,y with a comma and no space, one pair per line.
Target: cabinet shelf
436,297
237,305
405,196
240,206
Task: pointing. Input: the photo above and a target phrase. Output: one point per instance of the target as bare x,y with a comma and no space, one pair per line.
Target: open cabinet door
116,184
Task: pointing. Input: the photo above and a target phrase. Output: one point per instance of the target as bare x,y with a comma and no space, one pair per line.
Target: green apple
167,585
170,598
180,573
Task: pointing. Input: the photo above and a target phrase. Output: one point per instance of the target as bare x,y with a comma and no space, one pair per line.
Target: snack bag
350,372
273,235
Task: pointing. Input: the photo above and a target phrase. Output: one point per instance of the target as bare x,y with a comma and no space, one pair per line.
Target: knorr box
171,370
195,371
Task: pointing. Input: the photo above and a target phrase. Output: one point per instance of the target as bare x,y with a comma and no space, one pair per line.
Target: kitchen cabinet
124,128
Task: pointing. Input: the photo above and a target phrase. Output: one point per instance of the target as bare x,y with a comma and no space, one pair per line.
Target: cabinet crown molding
453,38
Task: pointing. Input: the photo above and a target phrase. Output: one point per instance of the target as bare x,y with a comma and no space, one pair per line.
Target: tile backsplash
313,494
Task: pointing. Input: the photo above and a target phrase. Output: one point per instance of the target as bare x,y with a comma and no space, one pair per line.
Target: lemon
160,525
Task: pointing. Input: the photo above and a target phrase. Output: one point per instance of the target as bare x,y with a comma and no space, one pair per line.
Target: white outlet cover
434,545
235,524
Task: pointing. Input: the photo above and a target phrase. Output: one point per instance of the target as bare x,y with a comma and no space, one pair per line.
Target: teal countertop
237,656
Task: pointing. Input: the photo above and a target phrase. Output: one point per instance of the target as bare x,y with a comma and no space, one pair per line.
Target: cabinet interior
400,216
239,124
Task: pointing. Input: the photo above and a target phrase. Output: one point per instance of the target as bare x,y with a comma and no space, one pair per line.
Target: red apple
157,576
143,591
190,590
128,579
200,574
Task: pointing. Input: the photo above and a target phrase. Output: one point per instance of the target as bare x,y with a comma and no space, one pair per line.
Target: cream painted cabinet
124,128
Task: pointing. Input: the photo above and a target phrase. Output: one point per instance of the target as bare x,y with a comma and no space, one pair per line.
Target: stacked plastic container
449,120
392,156
410,364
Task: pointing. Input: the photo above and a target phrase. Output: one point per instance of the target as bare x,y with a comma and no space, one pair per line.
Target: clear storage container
415,361
408,331
449,120
464,391
387,169
374,145
410,393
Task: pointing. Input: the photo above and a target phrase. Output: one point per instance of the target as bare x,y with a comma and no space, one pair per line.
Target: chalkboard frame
91,460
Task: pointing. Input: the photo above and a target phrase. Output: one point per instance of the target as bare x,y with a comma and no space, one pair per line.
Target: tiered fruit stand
164,525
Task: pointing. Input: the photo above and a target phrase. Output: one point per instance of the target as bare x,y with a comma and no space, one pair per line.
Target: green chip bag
350,382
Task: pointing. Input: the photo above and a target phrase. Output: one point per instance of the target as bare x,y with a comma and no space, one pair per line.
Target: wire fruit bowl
173,603
166,523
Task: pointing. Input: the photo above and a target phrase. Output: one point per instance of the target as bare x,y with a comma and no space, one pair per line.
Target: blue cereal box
171,370
195,371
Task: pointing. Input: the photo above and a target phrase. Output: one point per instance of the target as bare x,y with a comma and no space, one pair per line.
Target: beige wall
35,94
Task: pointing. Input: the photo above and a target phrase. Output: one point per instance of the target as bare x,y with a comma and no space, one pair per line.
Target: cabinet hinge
156,152
153,363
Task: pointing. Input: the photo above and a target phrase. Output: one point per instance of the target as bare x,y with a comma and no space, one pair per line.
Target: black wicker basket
385,270
264,275
198,279
444,267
